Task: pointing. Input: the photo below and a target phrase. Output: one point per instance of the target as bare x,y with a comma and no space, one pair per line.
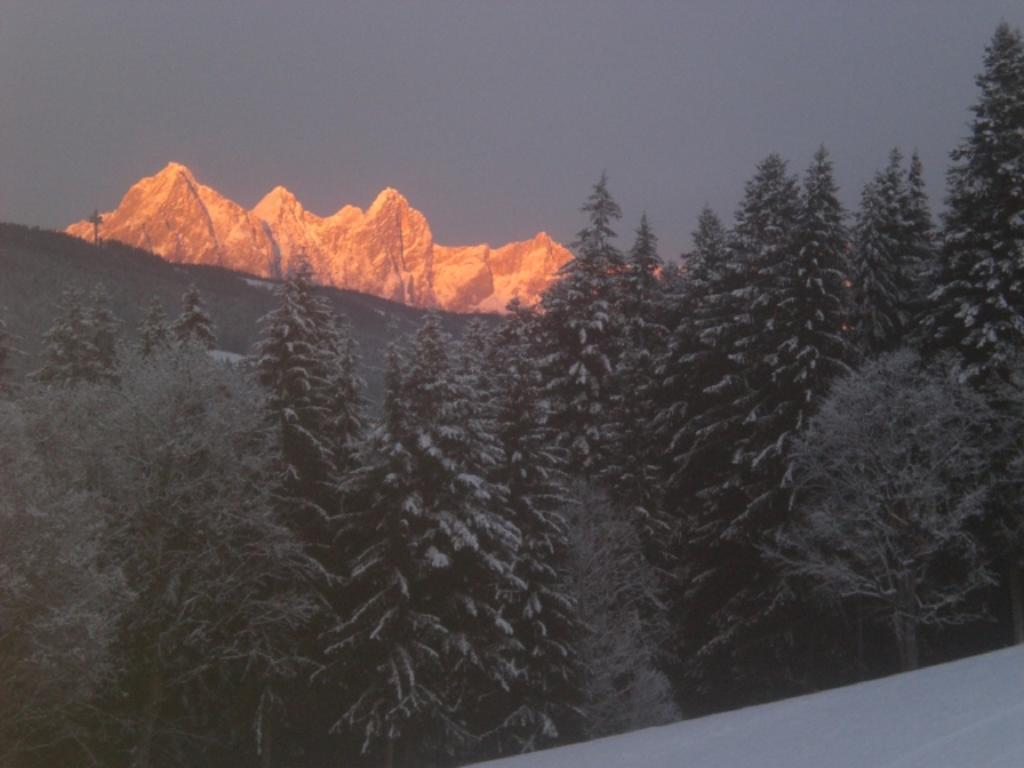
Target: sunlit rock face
386,250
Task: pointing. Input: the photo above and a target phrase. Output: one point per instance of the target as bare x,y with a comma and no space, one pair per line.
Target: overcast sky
494,118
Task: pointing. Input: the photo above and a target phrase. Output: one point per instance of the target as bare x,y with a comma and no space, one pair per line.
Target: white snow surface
965,714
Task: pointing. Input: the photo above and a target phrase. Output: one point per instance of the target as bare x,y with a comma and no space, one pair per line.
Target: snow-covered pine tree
6,352
542,706
921,235
294,365
977,308
154,331
346,402
631,469
70,352
477,367
699,429
885,265
581,335
431,551
798,349
612,584
193,325
105,330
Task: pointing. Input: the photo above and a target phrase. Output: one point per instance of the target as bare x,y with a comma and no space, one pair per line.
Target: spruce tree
581,333
154,332
542,705
631,470
976,311
346,402
977,308
886,258
921,234
294,366
699,430
70,351
193,325
6,353
431,551
800,351
105,328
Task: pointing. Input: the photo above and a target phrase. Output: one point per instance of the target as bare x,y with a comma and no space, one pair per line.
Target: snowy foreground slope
966,714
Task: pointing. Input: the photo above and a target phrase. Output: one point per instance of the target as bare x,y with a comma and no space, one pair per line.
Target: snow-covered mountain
387,250
966,714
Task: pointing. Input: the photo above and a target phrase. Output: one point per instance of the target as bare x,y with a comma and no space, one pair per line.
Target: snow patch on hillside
965,714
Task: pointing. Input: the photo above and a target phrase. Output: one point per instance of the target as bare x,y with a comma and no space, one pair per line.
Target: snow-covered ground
966,714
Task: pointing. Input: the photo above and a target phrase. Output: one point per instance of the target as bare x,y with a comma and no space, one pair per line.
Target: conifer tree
699,428
630,473
193,325
581,333
542,703
346,402
70,351
885,261
6,352
800,351
154,332
104,332
977,308
293,361
430,553
920,229
765,239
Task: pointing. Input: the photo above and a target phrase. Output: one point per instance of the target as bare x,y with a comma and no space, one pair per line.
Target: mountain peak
277,199
173,169
386,198
388,251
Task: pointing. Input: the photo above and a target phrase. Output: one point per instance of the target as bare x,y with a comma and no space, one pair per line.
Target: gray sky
494,118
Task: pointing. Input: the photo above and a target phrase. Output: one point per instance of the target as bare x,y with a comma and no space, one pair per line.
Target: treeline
791,463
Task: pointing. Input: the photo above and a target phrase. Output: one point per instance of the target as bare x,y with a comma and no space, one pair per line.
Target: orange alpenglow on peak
387,250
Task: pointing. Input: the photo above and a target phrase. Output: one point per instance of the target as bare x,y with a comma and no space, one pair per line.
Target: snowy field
966,714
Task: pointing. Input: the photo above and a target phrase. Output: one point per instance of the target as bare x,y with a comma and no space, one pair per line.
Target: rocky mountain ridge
387,250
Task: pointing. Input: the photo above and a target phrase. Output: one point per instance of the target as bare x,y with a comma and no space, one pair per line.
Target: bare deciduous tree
888,477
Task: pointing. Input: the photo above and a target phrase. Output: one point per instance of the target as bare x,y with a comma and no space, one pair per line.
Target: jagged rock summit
386,250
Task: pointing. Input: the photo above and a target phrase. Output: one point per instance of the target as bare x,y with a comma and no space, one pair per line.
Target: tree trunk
906,638
266,744
1015,580
389,753
860,641
151,713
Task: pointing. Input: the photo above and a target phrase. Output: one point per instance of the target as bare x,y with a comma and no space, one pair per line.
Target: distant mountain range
387,250
37,265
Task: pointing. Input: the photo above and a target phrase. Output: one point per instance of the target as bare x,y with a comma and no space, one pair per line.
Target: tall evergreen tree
781,275
699,429
294,364
886,258
193,325
154,332
631,470
801,351
920,229
105,328
346,401
977,308
581,333
6,352
541,707
70,351
430,553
